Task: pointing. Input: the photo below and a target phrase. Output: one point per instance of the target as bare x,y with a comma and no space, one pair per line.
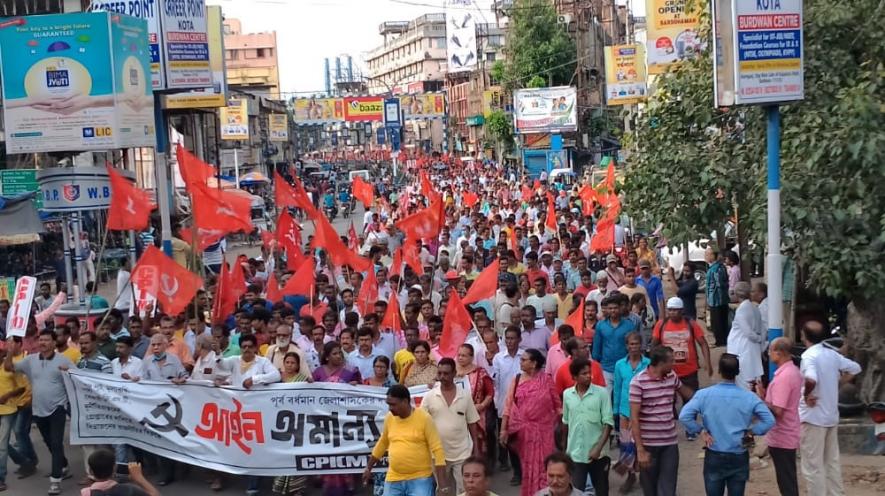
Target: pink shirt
555,358
784,392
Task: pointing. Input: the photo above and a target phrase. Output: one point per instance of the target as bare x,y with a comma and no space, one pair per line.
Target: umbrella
254,177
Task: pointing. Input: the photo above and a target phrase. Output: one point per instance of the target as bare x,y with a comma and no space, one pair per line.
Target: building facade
251,60
411,52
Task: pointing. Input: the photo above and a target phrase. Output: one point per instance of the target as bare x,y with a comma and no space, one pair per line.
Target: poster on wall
545,110
461,50
672,33
625,79
278,127
235,120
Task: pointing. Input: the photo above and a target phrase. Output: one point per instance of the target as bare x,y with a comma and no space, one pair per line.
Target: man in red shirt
576,347
683,336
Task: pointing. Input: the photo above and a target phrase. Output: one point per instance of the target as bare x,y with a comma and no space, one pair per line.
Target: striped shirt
656,398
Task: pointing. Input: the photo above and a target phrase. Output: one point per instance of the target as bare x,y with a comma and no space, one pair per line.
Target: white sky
310,30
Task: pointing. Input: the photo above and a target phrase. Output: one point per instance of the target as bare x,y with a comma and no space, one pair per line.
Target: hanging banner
216,96
363,108
20,306
76,82
317,110
281,429
545,110
423,106
625,80
235,120
461,35
278,127
672,33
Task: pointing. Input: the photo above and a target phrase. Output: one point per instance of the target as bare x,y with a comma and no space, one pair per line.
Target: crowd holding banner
566,329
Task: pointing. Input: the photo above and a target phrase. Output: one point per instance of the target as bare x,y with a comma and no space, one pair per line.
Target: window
440,42
260,53
490,57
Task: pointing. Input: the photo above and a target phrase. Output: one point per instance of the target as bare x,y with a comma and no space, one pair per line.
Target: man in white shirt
126,365
363,357
822,368
124,289
248,369
506,367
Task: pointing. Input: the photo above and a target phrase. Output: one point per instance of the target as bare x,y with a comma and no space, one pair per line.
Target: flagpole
104,241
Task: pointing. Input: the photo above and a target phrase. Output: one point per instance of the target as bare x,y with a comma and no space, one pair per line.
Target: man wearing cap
654,288
682,335
614,274
547,262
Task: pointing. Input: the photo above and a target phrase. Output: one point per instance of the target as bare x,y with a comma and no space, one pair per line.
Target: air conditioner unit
564,19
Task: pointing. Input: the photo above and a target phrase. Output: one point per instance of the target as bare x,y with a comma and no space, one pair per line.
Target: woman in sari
333,369
531,412
481,388
422,370
381,368
291,485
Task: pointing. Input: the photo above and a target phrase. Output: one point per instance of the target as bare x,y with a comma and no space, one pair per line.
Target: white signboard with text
20,307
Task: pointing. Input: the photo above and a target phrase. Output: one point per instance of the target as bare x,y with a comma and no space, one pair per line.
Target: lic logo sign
97,132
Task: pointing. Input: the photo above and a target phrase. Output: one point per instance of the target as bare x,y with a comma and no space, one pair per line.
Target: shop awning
19,221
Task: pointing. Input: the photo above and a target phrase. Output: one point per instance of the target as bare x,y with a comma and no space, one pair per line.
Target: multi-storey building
251,60
412,57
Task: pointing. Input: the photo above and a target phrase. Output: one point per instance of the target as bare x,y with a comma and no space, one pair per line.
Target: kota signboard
215,96
545,110
672,33
758,51
76,82
363,108
624,75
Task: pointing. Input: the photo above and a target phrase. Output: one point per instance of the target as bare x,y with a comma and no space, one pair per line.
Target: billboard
235,120
185,44
216,96
461,35
317,110
545,110
672,33
624,75
278,127
68,87
363,108
758,52
423,106
150,12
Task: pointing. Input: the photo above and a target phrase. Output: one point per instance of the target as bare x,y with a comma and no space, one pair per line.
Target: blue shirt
717,285
655,290
728,411
624,373
608,342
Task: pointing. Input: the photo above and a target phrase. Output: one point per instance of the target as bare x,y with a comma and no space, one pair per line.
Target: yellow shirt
25,398
564,306
8,383
72,354
409,443
402,358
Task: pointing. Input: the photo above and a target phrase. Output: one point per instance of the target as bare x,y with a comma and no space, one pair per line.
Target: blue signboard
392,112
394,139
381,136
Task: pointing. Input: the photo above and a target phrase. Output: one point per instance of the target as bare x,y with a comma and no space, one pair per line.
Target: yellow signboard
235,120
278,127
624,74
423,106
317,110
215,96
672,33
492,99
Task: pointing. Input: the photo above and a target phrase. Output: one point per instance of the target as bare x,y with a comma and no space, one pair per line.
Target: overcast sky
310,30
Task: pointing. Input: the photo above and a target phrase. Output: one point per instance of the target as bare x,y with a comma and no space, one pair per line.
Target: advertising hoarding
185,44
625,82
461,35
544,110
278,127
76,82
423,106
317,110
363,108
672,33
235,120
149,10
216,96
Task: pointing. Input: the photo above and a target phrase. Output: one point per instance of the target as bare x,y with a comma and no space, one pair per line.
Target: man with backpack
683,335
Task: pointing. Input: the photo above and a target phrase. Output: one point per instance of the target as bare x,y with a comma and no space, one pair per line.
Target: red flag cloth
612,208
588,199
537,185
353,241
469,199
526,193
426,223
610,178
288,232
574,319
220,212
604,238
485,286
392,319
130,207
171,284
302,281
207,238
273,293
456,326
368,293
286,195
412,256
426,185
267,238
224,303
363,191
550,222
193,170
294,258
326,238
317,311
396,267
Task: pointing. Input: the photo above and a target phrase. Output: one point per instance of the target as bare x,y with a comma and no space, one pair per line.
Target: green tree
499,124
538,48
693,164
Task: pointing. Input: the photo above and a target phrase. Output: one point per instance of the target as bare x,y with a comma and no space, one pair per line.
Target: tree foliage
693,163
538,48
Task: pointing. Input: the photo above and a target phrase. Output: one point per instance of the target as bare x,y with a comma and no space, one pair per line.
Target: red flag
267,238
426,223
353,241
485,285
426,185
302,281
412,256
207,238
368,293
550,222
363,191
610,177
612,208
392,319
537,185
288,231
396,267
193,170
224,303
273,292
574,319
286,195
469,199
604,238
588,199
130,207
317,311
326,238
527,193
456,326
294,258
171,284
219,212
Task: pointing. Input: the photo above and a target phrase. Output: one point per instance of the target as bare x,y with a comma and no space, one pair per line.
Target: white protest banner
281,429
20,308
142,300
